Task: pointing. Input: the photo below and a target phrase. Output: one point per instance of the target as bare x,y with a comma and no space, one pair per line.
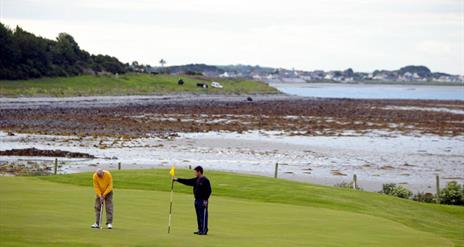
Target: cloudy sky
302,34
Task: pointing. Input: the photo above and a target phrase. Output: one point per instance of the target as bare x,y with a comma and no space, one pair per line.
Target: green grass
127,84
245,211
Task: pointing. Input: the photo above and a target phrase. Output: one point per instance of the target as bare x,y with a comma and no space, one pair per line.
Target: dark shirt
201,186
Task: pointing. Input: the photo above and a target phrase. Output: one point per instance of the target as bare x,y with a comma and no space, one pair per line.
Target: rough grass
127,84
442,220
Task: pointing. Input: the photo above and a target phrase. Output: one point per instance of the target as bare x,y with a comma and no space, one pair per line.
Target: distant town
409,73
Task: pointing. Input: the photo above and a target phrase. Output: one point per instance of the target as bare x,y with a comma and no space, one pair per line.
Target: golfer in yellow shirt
103,186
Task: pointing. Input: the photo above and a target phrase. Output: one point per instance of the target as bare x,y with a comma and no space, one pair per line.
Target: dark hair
198,169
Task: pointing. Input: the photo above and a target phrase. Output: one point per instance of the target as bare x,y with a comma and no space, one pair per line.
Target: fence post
56,166
355,182
119,166
438,188
190,167
276,170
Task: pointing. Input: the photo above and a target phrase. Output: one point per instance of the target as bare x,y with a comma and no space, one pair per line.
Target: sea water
369,91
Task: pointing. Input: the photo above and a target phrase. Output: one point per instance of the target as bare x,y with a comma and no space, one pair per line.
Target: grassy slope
128,84
35,212
445,221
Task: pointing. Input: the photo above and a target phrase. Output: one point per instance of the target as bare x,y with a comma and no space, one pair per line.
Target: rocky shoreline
322,141
141,116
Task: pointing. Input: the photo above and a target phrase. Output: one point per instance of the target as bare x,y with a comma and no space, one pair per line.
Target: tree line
25,56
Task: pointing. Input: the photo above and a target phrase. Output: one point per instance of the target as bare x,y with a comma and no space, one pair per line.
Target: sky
301,34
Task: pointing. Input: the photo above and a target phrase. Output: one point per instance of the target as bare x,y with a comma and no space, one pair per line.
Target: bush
396,190
191,72
424,197
453,194
347,185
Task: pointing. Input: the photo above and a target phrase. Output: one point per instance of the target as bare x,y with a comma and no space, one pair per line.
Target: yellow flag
173,171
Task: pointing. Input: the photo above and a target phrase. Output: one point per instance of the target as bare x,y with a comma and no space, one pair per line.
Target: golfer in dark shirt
202,191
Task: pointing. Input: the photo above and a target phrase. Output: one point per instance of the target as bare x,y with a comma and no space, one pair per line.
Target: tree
162,62
453,194
24,55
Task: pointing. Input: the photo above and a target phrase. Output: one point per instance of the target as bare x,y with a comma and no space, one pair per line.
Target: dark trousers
109,209
202,216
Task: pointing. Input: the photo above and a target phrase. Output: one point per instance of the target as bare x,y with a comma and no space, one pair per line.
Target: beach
322,141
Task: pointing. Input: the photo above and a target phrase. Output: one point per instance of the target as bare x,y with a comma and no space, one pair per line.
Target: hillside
24,56
128,84
407,74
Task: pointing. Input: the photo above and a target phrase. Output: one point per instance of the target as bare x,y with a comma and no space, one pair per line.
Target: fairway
42,213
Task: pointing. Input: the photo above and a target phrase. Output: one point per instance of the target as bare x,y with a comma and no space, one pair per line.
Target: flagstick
170,207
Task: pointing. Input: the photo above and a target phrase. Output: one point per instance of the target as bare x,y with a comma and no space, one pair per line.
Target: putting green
41,213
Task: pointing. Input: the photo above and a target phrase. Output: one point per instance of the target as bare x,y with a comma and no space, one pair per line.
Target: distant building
224,75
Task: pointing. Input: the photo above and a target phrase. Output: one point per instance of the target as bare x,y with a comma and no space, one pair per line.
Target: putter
101,214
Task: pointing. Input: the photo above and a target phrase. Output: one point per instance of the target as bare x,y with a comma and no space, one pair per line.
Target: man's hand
174,179
102,199
205,203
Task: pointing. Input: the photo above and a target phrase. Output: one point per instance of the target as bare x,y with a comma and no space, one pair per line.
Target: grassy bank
127,84
246,211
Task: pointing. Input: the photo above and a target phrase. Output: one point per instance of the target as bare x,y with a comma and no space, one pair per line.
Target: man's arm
207,186
95,186
189,182
110,185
